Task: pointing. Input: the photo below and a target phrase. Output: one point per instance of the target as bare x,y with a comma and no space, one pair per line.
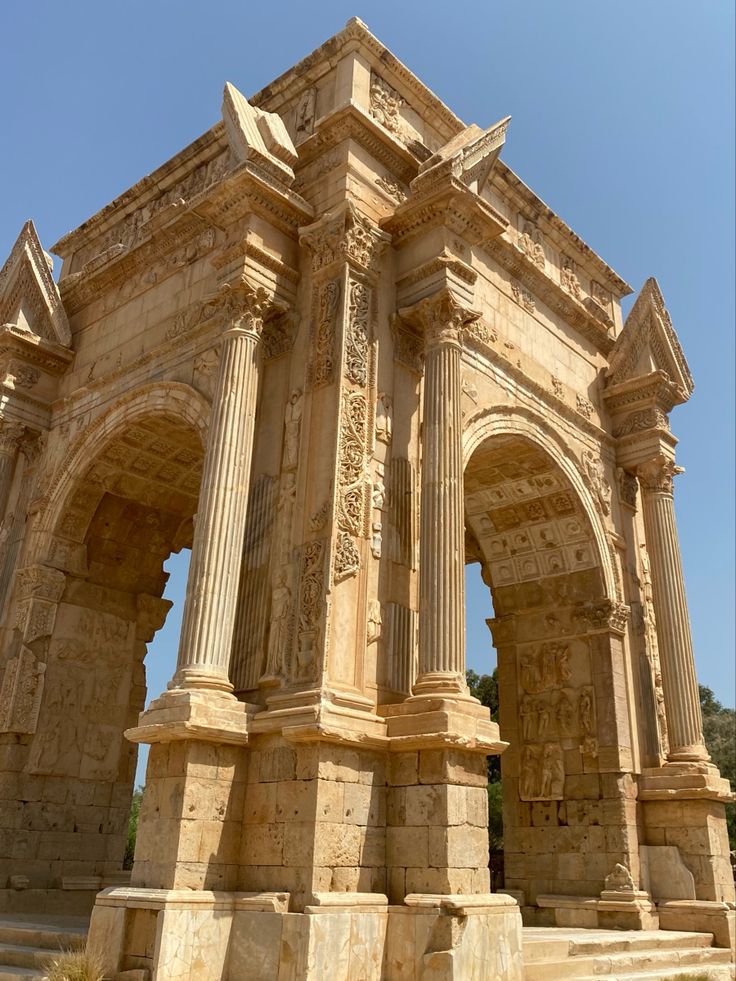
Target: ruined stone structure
340,350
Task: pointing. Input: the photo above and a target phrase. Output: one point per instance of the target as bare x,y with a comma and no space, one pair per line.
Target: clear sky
623,122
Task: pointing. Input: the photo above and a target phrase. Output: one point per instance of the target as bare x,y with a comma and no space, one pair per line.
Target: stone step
545,943
10,973
49,934
13,955
634,963
723,972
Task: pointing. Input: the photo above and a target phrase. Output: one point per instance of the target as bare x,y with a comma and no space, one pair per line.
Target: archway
125,503
569,814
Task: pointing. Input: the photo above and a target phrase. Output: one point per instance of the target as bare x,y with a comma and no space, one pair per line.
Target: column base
206,715
352,936
441,721
685,781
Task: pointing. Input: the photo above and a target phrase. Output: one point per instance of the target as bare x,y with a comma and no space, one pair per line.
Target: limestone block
403,769
459,846
408,846
337,844
255,945
263,844
296,800
191,944
260,803
663,873
364,804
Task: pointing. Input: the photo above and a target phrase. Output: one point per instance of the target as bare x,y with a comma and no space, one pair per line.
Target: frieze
568,277
584,406
393,187
650,418
523,297
531,243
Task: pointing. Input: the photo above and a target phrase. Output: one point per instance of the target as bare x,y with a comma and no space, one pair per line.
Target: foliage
495,816
719,729
135,807
76,965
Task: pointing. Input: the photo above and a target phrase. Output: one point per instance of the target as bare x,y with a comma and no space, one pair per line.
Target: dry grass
75,965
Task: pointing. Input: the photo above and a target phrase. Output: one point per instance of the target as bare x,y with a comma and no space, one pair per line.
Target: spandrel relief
542,775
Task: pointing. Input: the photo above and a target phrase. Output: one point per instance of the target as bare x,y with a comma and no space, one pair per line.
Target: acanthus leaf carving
322,365
356,353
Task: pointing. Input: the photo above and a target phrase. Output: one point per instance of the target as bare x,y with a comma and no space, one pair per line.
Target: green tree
719,729
135,807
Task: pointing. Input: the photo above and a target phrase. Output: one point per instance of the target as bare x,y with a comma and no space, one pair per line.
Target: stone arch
88,604
514,420
173,399
533,524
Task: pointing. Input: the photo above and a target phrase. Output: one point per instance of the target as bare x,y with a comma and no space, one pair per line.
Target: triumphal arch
339,349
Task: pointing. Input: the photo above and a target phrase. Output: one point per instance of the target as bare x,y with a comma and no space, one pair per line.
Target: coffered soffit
29,297
648,346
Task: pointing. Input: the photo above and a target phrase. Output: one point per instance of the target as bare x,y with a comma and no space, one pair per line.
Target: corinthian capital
344,235
440,317
11,434
656,474
245,307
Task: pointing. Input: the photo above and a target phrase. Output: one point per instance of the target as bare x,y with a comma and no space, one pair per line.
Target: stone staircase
557,954
28,942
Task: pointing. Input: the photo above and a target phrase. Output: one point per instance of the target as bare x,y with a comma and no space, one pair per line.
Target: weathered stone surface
339,350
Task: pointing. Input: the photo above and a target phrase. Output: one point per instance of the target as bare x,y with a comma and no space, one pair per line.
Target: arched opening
529,530
129,506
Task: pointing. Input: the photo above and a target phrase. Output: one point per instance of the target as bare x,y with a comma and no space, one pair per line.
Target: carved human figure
375,621
280,605
568,277
557,783
5,528
549,665
565,715
530,677
585,712
285,510
542,709
564,671
596,476
528,780
292,424
547,770
531,244
528,714
384,422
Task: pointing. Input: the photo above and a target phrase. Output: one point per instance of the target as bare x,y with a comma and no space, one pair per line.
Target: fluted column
11,434
209,611
679,682
442,528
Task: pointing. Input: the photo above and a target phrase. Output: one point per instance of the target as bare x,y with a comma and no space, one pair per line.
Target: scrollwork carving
356,354
322,367
347,557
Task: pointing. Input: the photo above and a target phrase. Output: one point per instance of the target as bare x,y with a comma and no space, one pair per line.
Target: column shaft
442,538
679,682
10,436
209,613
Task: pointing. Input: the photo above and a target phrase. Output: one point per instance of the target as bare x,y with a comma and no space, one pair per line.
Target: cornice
505,181
202,150
51,357
244,191
448,203
356,36
352,122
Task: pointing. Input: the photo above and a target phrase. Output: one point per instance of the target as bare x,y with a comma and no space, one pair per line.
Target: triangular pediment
648,344
29,297
470,155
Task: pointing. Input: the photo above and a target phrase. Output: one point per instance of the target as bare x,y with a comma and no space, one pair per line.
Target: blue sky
623,122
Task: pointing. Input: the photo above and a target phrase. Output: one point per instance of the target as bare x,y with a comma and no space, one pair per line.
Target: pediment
648,344
29,297
469,156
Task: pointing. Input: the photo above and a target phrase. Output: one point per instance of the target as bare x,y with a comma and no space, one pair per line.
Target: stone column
679,683
11,434
442,528
212,586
